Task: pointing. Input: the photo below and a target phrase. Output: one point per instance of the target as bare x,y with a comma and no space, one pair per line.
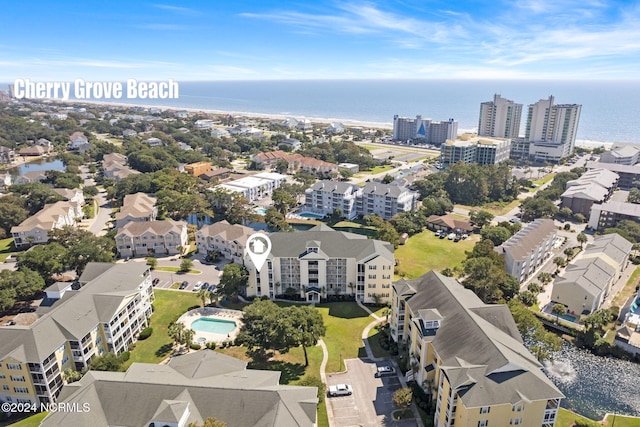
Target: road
98,224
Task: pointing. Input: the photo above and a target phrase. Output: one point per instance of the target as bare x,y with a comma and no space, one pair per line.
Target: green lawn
424,252
7,248
566,418
544,179
629,288
374,170
622,421
32,421
168,306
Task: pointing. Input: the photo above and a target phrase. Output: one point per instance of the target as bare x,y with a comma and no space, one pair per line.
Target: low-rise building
594,186
448,224
72,326
529,248
7,155
198,168
470,356
321,262
136,207
587,280
627,154
35,150
32,176
254,187
229,240
35,229
216,174
469,148
151,238
629,175
77,141
153,142
187,391
325,196
352,167
609,214
114,166
384,200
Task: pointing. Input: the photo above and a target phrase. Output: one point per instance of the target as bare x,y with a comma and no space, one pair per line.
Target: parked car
340,390
184,285
457,238
211,288
197,286
384,371
451,236
438,233
155,281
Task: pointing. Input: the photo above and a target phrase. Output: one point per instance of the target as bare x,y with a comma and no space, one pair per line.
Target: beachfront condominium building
105,312
551,129
500,118
423,130
184,392
323,262
622,154
470,356
375,198
526,250
469,148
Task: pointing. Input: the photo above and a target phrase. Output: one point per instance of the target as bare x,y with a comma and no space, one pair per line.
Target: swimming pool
260,211
214,326
311,215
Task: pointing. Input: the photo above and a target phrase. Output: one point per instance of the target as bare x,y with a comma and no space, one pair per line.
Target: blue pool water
311,215
260,211
568,317
215,326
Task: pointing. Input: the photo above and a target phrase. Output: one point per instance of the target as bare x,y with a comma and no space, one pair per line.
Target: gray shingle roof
479,345
147,393
529,238
335,244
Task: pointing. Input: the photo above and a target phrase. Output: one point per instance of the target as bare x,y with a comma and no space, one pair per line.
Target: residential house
203,124
219,133
184,146
187,391
254,187
594,186
153,142
138,207
322,262
73,325
583,286
352,167
470,356
335,128
609,214
292,143
304,124
197,169
36,228
289,123
74,195
449,224
7,155
129,132
384,200
33,176
114,166
77,140
217,174
229,240
34,150
529,248
181,114
151,238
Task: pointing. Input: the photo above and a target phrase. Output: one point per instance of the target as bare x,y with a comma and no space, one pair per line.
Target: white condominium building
500,118
255,187
551,129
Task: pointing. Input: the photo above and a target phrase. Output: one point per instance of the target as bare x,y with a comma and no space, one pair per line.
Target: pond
39,165
595,385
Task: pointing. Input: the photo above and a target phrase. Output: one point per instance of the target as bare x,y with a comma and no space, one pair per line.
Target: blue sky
258,40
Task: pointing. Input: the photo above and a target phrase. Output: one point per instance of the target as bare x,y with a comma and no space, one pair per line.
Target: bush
211,345
195,346
313,381
585,423
146,333
124,356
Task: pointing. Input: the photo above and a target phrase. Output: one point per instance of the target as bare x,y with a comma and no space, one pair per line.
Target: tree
388,179
314,381
545,278
47,260
527,298
186,265
265,327
25,282
402,398
106,362
558,310
533,331
559,262
309,325
11,213
282,166
275,220
582,239
71,376
203,294
152,262
179,333
498,235
481,218
283,201
234,279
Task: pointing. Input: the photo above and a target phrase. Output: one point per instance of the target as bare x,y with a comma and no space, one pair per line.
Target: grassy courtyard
168,306
424,252
7,248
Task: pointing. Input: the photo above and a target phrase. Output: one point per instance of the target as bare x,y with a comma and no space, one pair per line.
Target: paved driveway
370,404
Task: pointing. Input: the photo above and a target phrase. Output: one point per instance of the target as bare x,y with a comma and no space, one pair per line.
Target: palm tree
202,294
582,239
176,331
213,297
558,310
188,337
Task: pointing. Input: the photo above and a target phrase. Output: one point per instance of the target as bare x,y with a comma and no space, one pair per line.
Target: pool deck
212,313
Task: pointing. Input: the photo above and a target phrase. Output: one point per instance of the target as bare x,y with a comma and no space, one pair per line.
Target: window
515,421
485,409
372,267
14,366
5,387
517,408
19,379
483,423
21,390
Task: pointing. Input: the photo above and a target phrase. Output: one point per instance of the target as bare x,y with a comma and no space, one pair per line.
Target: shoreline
583,143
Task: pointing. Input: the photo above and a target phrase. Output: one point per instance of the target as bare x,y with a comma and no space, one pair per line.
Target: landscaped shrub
585,423
195,346
146,333
124,356
211,345
313,381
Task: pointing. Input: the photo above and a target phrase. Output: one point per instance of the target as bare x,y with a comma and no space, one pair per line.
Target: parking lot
371,401
210,272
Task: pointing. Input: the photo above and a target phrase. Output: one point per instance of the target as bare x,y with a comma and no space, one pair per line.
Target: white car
340,390
197,287
451,236
384,371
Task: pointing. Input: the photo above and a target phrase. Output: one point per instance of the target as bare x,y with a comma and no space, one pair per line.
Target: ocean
610,110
